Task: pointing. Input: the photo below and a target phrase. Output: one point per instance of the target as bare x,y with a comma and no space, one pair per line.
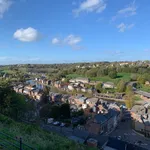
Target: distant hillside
35,137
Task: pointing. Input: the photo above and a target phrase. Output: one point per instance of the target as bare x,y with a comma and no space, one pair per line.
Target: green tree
129,89
91,73
141,79
65,110
99,87
112,74
129,100
55,112
102,72
134,77
121,86
45,111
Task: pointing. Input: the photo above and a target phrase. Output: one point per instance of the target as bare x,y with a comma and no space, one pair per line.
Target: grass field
120,76
145,88
36,137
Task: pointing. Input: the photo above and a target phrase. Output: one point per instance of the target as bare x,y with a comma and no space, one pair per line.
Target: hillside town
94,116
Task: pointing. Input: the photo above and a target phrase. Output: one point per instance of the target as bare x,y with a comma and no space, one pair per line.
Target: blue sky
56,31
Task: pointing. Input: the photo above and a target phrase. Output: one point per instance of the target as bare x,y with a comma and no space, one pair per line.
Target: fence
9,143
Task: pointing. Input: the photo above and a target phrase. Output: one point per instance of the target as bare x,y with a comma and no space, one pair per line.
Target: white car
62,124
50,120
119,137
56,123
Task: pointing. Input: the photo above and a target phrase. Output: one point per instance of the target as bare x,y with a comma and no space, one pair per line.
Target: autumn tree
129,100
121,86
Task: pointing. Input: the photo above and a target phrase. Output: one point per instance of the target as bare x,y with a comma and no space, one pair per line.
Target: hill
35,137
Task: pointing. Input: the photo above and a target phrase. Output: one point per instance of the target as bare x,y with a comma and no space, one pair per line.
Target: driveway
127,134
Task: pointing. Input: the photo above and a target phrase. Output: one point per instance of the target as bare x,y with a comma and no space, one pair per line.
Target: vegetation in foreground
36,137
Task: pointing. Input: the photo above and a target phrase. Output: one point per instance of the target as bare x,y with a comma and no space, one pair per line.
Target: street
126,133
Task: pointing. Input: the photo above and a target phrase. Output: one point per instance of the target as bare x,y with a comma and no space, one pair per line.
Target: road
127,134
65,131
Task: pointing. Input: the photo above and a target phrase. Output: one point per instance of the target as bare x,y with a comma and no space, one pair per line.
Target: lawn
120,76
145,88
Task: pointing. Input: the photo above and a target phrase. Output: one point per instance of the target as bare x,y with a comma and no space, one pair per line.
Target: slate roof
100,118
122,145
146,94
81,134
100,138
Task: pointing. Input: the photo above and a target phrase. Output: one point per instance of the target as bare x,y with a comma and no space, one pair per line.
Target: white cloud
70,40
55,41
90,6
127,11
27,35
4,6
123,27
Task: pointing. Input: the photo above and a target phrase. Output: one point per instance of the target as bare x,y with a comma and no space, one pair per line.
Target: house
92,142
104,121
108,85
48,82
144,95
97,125
57,84
71,87
83,89
27,91
65,98
147,83
141,118
91,101
115,144
83,80
80,99
21,89
56,97
37,94
72,80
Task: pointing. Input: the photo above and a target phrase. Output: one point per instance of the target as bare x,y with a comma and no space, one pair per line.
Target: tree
65,110
91,73
45,111
129,89
46,90
55,112
141,79
99,87
102,72
129,100
112,74
121,86
17,105
134,77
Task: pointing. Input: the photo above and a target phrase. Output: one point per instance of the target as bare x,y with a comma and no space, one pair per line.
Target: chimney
126,147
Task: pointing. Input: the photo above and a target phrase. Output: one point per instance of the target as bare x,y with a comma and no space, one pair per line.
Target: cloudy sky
56,31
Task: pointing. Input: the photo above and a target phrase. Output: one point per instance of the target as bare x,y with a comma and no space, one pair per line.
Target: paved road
125,131
65,131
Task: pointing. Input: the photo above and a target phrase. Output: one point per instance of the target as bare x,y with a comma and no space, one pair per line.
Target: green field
120,76
145,88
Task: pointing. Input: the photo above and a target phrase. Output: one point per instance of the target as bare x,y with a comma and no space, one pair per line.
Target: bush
112,74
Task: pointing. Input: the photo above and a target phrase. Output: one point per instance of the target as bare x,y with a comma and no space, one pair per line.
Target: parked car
62,124
56,123
119,137
50,120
